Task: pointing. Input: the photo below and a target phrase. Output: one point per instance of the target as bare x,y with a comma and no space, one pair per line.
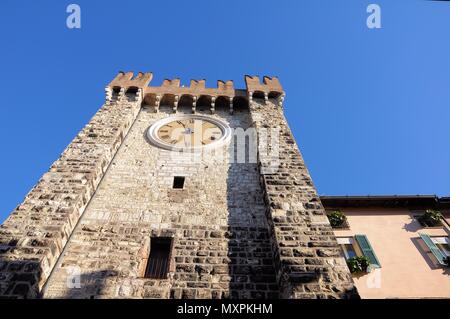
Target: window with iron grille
158,261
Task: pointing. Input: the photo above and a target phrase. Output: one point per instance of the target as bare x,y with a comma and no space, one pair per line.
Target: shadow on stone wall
18,278
92,285
251,269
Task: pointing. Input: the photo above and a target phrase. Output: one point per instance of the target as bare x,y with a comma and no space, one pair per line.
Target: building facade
406,252
138,207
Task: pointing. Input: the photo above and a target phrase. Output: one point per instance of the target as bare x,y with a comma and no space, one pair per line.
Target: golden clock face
188,132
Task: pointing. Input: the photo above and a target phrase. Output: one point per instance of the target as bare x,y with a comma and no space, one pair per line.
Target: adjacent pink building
407,258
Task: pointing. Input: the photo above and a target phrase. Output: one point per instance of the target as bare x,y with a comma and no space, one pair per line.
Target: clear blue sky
370,109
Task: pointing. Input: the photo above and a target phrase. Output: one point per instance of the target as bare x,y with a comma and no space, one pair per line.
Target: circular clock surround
156,137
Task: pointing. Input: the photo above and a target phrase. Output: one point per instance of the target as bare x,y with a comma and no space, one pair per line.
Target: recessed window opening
178,182
258,95
132,90
159,259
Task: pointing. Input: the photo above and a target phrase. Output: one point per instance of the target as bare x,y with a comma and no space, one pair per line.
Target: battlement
270,88
171,91
196,88
175,83
198,84
127,80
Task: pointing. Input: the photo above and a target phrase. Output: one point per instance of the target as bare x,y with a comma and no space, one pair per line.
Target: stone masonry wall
307,257
221,241
239,230
33,236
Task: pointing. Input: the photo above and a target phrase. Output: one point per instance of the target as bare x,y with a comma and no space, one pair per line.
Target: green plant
447,260
358,264
431,218
337,218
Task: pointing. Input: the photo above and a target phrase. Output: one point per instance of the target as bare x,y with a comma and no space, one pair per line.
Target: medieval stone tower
126,213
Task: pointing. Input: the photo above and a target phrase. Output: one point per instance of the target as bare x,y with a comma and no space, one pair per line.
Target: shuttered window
158,261
443,243
433,248
367,250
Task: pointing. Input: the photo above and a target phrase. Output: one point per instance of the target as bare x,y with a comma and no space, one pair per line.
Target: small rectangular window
178,182
439,248
356,246
443,243
159,259
347,246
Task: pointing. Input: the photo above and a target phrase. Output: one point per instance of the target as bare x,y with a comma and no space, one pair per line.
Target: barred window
159,259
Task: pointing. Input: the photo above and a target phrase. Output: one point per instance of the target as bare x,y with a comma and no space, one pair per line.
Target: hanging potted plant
359,264
431,218
337,219
447,260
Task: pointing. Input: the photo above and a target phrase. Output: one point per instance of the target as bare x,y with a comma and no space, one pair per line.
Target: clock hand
186,143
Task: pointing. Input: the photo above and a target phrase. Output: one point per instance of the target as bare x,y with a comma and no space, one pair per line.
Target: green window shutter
367,250
434,249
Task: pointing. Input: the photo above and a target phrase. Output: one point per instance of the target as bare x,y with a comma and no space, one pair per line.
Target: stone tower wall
309,262
34,235
221,245
240,230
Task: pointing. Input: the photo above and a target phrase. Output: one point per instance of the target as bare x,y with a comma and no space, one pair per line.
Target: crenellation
127,80
225,85
124,82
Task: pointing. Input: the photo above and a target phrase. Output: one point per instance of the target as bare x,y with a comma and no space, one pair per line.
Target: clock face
189,132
